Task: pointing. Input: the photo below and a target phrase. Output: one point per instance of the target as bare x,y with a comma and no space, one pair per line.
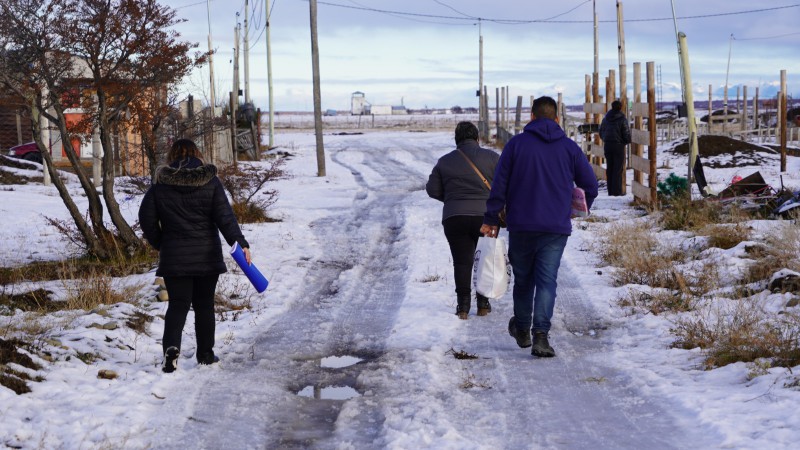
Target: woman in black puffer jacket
181,216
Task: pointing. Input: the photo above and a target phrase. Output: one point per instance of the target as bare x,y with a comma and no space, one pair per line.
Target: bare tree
121,50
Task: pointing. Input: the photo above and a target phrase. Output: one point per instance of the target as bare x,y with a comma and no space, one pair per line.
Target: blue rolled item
253,274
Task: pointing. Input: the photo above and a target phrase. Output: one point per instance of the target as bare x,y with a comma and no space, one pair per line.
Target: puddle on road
339,362
329,393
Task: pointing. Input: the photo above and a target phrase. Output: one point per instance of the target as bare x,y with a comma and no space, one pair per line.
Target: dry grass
780,251
634,251
658,302
743,333
727,236
95,290
460,354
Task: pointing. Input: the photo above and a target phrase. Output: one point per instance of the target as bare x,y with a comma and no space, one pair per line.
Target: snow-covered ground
359,267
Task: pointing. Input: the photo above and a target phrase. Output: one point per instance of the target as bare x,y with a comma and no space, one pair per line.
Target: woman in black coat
455,182
181,216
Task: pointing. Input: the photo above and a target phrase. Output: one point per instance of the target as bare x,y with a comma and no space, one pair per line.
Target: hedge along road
358,299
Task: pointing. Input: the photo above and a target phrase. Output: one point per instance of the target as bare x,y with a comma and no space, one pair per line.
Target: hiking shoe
484,307
523,337
462,308
541,347
170,360
207,359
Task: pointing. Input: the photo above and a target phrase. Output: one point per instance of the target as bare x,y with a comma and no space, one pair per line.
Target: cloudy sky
425,52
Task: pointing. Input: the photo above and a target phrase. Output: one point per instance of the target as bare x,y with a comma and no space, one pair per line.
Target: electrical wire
548,20
765,37
403,16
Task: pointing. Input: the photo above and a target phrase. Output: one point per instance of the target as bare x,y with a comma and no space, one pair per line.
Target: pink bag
579,208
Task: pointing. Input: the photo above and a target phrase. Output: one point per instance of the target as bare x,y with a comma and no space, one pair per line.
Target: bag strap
475,168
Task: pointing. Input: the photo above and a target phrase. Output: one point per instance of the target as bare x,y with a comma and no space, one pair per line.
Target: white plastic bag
491,271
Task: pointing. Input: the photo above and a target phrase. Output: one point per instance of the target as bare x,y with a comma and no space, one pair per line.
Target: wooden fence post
498,124
636,148
651,125
782,119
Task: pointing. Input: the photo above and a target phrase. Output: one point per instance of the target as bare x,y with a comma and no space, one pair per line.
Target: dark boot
207,358
484,307
523,337
170,359
541,347
462,310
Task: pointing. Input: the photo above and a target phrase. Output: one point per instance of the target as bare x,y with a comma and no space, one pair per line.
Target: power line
765,37
402,16
549,20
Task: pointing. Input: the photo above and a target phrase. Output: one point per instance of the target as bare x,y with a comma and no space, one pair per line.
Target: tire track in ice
572,401
347,307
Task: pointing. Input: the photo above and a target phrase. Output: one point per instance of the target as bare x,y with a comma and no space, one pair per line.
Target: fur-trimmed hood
185,176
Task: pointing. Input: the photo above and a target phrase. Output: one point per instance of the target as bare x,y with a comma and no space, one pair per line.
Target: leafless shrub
233,296
133,185
246,186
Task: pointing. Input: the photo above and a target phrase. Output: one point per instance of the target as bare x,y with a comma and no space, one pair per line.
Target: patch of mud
14,379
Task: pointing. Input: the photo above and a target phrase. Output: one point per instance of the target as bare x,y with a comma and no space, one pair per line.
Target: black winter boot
523,337
484,307
541,347
170,360
462,310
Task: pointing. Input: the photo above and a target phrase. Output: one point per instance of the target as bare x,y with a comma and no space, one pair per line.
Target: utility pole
596,54
484,127
211,62
212,154
596,73
269,78
236,35
680,58
689,99
246,52
725,97
623,76
317,93
235,95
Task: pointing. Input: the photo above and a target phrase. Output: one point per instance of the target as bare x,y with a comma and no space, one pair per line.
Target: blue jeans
535,258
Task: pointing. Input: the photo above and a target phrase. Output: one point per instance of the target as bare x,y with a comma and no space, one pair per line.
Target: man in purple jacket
534,179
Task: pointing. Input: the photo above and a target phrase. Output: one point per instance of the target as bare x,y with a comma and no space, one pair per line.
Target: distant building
381,110
359,104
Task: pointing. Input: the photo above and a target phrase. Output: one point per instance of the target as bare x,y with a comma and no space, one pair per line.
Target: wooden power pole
317,93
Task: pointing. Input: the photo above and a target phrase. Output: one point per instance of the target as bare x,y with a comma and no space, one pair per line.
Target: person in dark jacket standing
181,216
455,182
536,174
616,134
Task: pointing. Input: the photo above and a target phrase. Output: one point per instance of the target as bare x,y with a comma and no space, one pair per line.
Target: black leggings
462,233
197,292
615,166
